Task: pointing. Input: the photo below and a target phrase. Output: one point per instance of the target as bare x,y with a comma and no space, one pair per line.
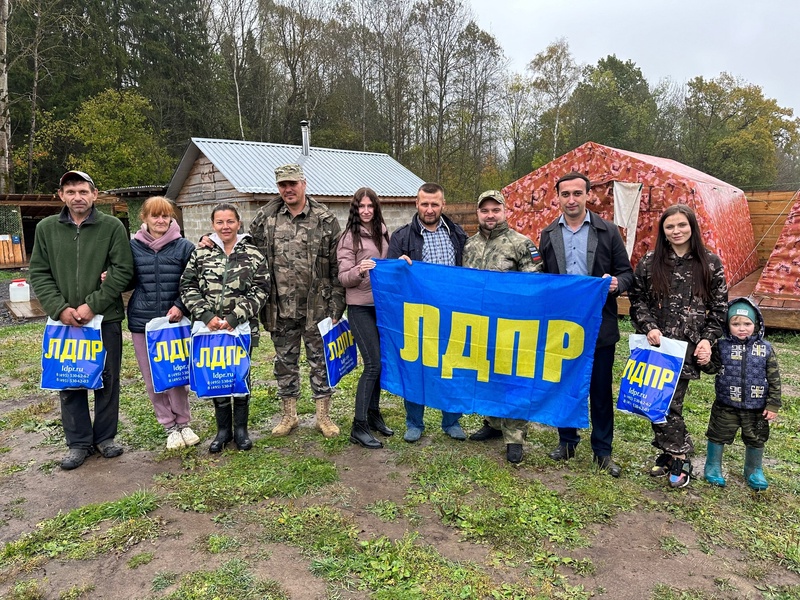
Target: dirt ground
626,553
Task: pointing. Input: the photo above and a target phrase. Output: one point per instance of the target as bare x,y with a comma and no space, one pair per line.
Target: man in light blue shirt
581,243
575,245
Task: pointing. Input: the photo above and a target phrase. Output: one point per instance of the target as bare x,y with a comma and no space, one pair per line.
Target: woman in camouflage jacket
224,286
679,291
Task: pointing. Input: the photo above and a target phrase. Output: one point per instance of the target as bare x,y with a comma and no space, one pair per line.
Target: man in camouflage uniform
497,247
298,236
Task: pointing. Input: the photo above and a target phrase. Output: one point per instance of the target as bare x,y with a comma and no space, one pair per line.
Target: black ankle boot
360,434
222,413
376,422
241,411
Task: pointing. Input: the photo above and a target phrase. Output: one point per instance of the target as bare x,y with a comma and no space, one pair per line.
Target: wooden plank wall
11,252
465,215
768,212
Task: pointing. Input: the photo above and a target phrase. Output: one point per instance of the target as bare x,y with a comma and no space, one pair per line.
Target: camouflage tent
721,208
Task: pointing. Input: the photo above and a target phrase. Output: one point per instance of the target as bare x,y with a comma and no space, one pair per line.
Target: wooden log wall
11,252
768,212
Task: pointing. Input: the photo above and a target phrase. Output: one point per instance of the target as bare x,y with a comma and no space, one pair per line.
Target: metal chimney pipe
306,132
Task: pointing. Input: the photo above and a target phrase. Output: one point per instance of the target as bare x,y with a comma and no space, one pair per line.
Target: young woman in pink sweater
365,238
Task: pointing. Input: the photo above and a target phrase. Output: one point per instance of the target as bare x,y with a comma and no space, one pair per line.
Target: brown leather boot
289,419
324,423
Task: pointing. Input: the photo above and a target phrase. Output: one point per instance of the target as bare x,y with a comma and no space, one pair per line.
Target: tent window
537,200
655,198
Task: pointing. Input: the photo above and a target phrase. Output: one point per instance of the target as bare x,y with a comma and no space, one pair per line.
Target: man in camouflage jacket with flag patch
497,247
298,236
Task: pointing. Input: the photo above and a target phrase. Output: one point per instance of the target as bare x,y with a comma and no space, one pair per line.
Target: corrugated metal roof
250,167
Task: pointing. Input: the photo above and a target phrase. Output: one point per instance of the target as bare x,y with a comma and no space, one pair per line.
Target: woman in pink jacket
365,238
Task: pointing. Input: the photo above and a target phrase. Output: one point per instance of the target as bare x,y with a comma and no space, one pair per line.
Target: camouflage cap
495,195
292,172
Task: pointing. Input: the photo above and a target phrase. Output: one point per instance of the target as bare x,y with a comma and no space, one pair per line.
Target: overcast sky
757,40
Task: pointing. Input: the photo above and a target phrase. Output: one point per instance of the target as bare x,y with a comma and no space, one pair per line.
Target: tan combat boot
289,419
324,423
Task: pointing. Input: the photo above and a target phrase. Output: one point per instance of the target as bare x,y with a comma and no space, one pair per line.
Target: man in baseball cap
71,250
497,247
291,172
298,236
76,176
495,195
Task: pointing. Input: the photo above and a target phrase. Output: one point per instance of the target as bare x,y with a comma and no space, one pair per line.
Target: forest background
117,88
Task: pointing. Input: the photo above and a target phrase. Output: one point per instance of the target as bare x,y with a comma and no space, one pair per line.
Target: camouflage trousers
514,430
286,339
726,420
672,437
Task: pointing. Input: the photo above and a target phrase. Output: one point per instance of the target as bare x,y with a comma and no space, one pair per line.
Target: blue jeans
415,413
601,405
364,326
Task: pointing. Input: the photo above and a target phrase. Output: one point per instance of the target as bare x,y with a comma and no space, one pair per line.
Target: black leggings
364,326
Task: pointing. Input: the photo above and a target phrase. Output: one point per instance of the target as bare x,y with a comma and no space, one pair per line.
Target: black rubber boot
222,412
376,422
241,412
360,434
514,453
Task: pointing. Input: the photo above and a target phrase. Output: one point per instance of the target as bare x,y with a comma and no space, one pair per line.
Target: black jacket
408,240
157,276
605,253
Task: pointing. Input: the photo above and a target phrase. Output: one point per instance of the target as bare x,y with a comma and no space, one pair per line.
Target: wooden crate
12,253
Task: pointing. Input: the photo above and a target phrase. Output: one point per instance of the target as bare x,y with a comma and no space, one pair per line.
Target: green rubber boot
713,469
753,457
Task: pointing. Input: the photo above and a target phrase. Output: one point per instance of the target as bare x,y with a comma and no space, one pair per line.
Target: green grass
20,361
406,568
143,558
218,543
385,510
8,276
246,478
530,519
76,592
231,581
75,534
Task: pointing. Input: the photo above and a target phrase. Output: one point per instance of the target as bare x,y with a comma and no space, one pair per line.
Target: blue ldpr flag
502,344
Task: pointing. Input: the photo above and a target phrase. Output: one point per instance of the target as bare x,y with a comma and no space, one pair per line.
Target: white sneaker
175,440
190,438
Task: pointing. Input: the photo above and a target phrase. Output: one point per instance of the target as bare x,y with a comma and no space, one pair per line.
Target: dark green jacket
67,262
